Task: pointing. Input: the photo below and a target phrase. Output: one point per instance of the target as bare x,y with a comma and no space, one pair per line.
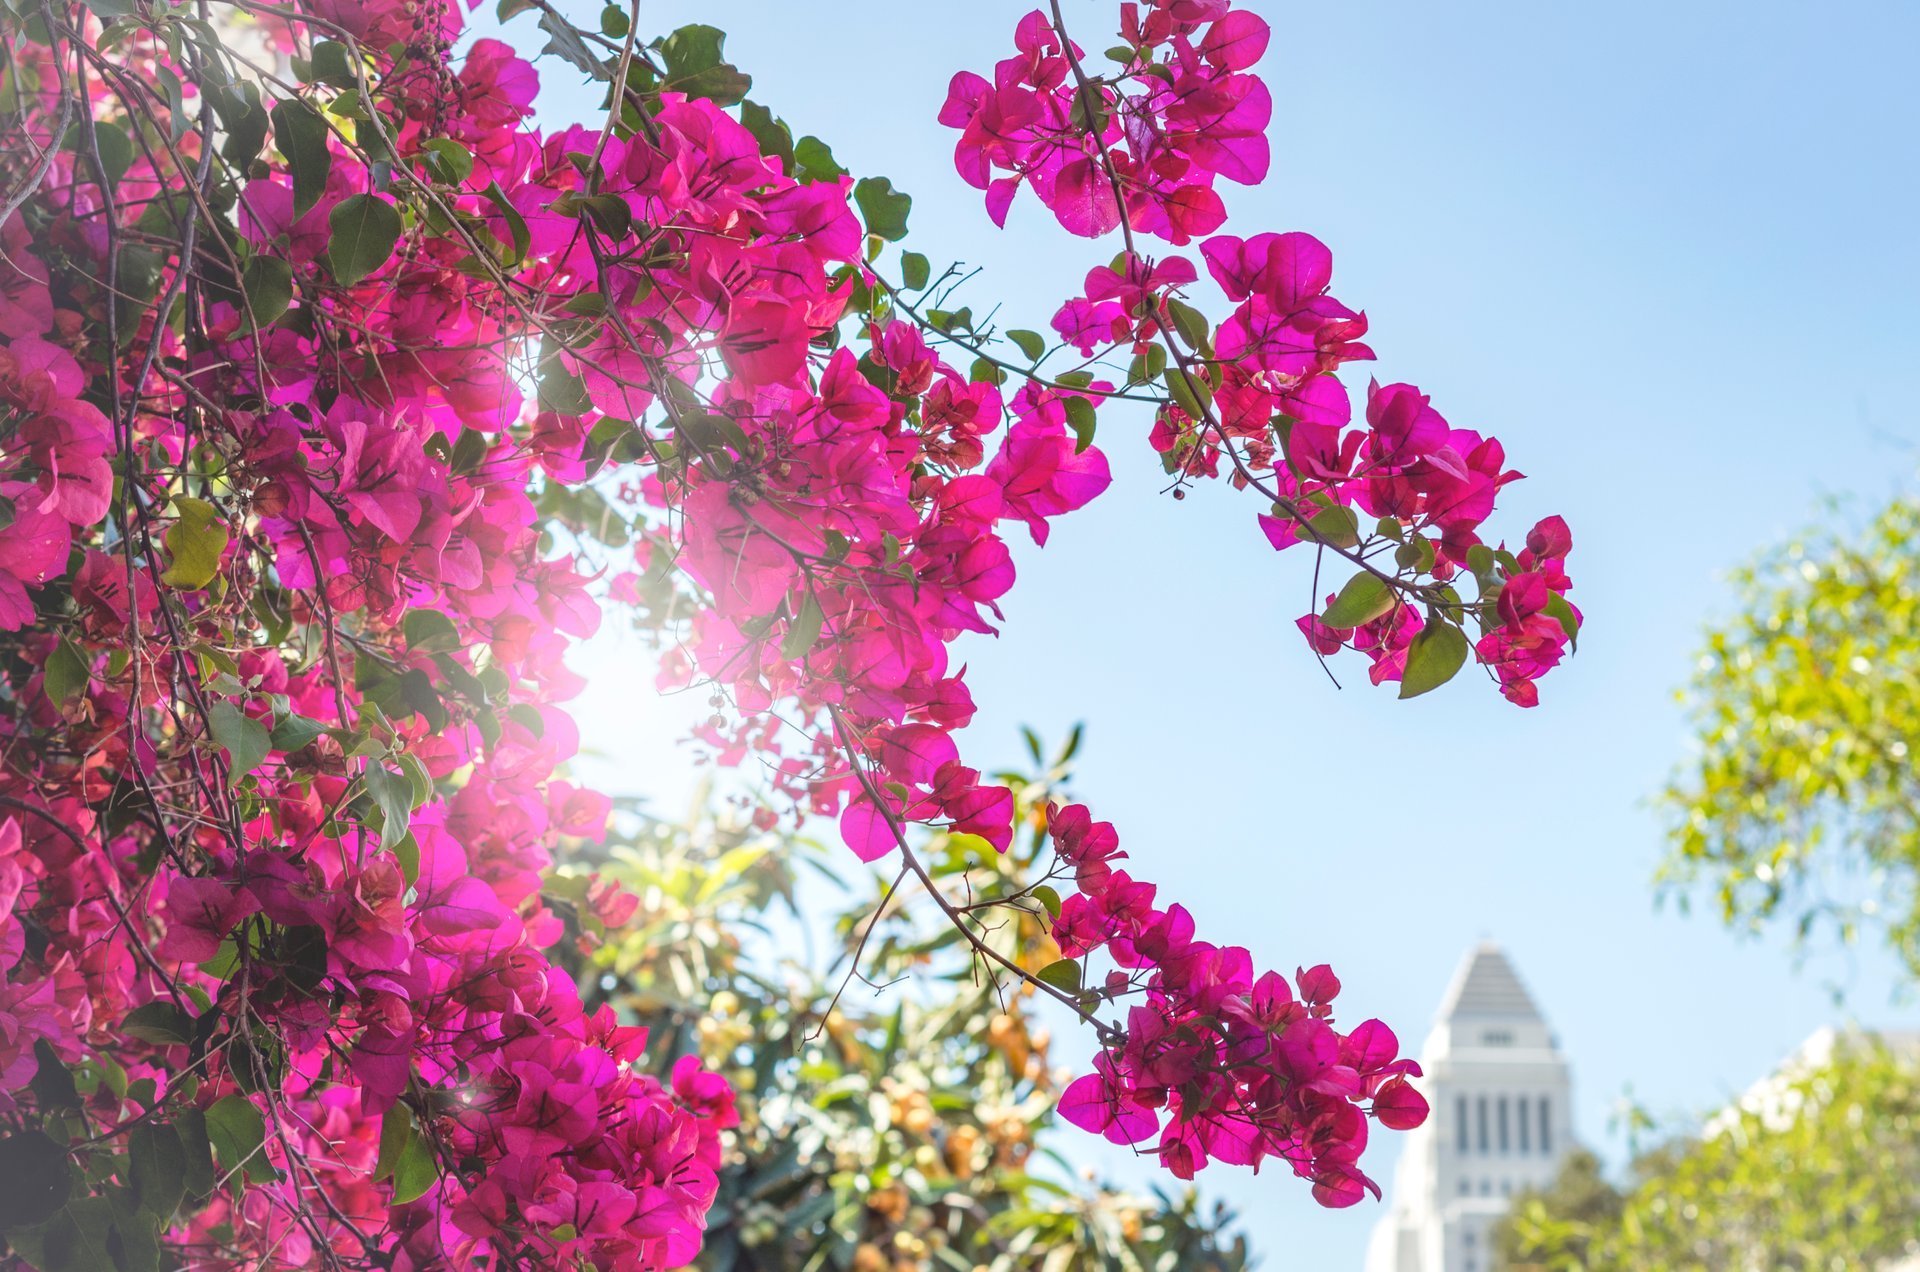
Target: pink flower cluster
1217,1063
1258,392
1156,132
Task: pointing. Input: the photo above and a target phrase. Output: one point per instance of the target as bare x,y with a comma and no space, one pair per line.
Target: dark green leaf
158,1165
775,138
301,135
197,1148
915,272
883,208
238,1134
564,39
450,162
268,285
816,161
161,1023
330,64
52,1082
696,62
37,1182
364,228
517,233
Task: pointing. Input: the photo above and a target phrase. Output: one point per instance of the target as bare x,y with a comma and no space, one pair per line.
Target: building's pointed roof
1486,985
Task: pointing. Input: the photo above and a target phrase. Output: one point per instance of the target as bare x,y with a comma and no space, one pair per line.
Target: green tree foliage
903,1132
1820,1172
1803,805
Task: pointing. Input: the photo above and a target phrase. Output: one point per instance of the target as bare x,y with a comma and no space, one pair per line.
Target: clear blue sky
1665,252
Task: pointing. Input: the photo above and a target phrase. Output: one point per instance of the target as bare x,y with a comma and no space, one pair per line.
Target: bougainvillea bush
337,400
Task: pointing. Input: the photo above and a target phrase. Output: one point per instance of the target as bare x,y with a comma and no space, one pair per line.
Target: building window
1466,1186
1480,1111
1496,1038
1546,1127
1486,1188
1520,1114
1506,1188
1460,1138
1504,1144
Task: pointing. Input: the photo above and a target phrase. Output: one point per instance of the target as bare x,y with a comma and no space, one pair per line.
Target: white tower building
1500,1090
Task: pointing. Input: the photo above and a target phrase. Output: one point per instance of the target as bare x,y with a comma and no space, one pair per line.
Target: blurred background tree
898,1134
1801,810
1818,1169
1803,805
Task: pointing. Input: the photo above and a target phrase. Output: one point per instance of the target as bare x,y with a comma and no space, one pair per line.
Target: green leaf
116,150
1081,418
1061,974
66,673
1030,343
697,65
158,1166
239,1134
268,285
883,208
517,234
330,65
564,39
295,731
1191,324
611,214
450,162
396,1128
430,632
1190,393
1337,526
393,792
915,272
816,162
775,138
38,1184
1435,657
804,631
197,1147
244,739
160,1023
78,1238
52,1082
1560,610
195,543
405,1156
364,228
300,134
1364,598
1049,898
